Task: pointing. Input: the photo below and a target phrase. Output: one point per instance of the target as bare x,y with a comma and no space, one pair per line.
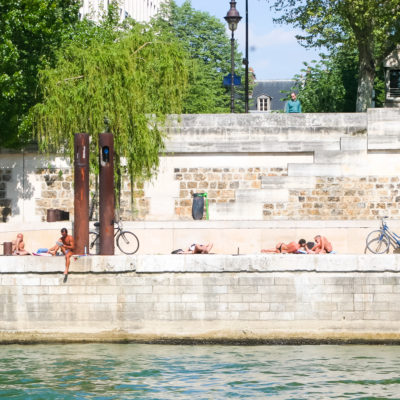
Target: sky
273,50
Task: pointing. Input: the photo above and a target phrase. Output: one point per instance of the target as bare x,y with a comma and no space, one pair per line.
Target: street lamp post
233,18
246,78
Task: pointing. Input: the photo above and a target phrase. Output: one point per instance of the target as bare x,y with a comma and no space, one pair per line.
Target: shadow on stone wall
14,184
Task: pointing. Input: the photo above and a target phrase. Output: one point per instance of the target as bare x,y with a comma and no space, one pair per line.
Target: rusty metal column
106,193
81,193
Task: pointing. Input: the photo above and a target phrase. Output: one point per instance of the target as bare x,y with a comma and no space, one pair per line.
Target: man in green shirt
293,105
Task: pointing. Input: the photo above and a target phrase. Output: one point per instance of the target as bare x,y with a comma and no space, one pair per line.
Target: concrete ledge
204,263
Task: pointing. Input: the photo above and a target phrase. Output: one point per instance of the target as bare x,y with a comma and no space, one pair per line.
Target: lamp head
233,17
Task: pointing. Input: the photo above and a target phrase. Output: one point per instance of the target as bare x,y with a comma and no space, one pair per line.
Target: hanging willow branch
107,79
70,79
141,47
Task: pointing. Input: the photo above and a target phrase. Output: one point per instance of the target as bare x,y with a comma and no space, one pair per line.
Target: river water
139,371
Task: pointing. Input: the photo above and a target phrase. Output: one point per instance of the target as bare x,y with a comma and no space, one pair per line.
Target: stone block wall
220,184
340,198
141,204
329,198
210,297
57,191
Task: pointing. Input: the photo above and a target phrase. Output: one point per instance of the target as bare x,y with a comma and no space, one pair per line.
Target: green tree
329,85
370,26
205,39
131,78
30,32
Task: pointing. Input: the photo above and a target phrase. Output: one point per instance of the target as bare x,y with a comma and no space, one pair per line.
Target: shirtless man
201,248
195,249
322,245
291,247
66,244
279,248
18,246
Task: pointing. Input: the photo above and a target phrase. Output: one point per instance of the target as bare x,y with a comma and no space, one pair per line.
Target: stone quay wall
201,298
254,167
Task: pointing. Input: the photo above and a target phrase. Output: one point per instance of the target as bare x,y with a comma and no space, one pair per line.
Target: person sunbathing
195,249
291,247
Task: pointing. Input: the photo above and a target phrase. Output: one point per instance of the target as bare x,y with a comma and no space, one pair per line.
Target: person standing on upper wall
293,105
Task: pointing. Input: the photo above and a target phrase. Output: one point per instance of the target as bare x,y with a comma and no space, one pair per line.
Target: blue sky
274,52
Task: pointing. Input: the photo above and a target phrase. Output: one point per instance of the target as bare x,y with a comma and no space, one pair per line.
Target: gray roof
271,88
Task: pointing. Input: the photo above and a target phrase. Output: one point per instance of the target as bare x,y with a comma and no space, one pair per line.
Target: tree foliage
329,85
204,38
369,26
30,33
131,78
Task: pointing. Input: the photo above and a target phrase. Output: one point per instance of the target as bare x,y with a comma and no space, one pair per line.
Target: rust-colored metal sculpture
107,200
81,193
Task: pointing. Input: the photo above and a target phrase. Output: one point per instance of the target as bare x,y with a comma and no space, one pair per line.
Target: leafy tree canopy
370,26
329,85
130,77
205,39
30,33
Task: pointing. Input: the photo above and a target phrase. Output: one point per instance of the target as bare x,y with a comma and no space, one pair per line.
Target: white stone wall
265,297
253,167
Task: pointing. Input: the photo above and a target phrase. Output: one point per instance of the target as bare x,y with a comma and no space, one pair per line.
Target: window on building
263,103
394,83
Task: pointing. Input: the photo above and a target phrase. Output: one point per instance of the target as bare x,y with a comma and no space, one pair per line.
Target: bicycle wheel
378,242
128,242
94,242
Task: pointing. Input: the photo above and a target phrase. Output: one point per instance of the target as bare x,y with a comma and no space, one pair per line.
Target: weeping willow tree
131,79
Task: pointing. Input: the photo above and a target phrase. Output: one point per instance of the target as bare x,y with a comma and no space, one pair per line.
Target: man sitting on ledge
66,245
18,246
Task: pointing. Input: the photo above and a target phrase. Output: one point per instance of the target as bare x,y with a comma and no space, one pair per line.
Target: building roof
271,88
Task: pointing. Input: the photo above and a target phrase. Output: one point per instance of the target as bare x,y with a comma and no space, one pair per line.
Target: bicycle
380,240
126,241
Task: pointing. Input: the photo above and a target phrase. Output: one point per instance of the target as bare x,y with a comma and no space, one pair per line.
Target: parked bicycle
380,240
126,241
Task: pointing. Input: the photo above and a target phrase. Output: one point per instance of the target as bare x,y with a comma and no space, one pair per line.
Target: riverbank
245,299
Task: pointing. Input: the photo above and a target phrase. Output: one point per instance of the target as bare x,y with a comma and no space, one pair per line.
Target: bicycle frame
393,237
128,238
117,229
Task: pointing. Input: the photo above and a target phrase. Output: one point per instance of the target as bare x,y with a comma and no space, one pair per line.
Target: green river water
139,371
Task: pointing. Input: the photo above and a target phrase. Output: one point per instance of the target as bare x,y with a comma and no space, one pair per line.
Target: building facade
140,10
268,94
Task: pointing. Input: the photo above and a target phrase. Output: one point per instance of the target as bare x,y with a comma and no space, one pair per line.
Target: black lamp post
246,79
232,18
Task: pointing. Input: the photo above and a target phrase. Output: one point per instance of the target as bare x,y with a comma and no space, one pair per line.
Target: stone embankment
202,298
259,167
